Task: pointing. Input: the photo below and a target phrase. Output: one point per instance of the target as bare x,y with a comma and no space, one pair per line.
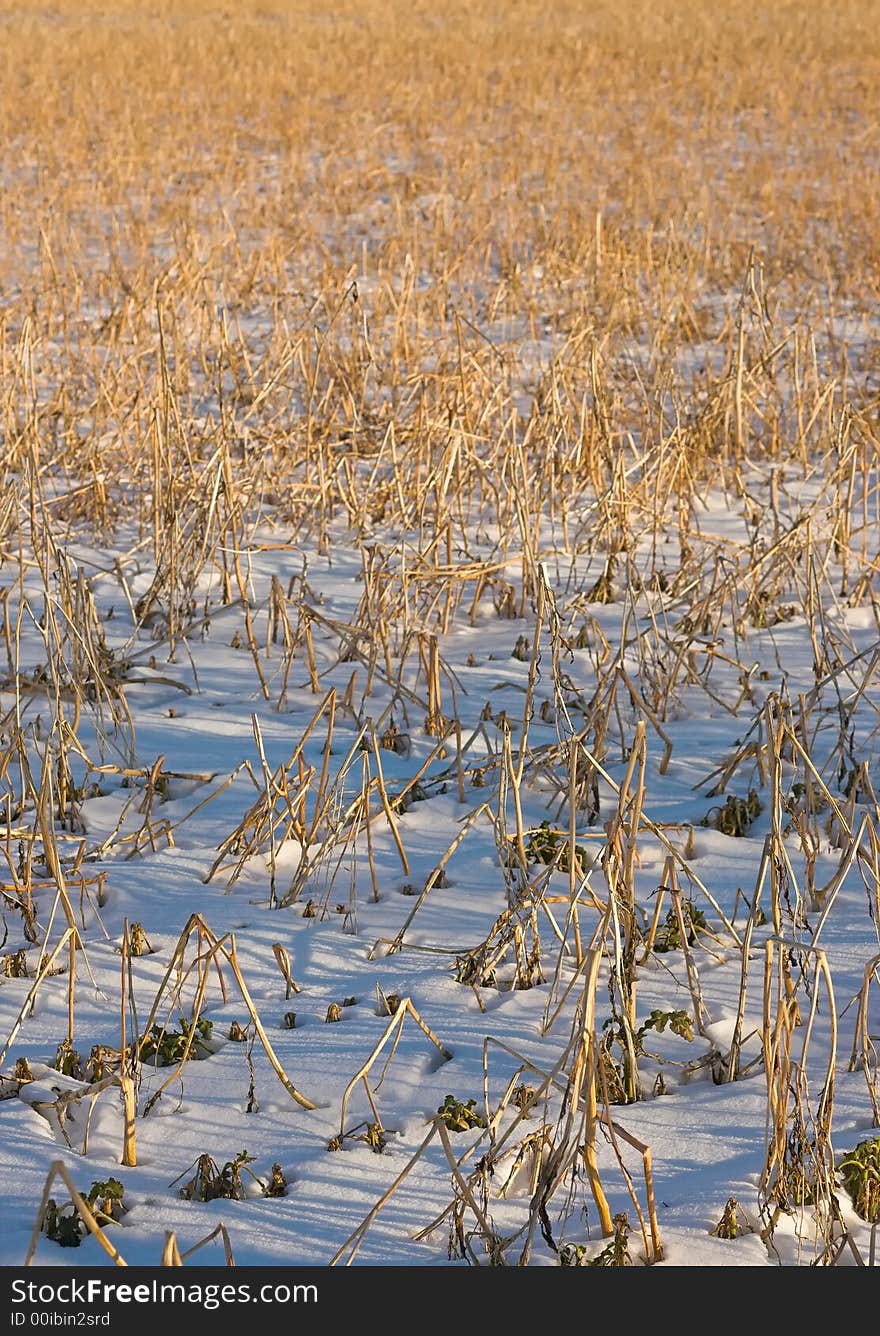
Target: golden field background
509,183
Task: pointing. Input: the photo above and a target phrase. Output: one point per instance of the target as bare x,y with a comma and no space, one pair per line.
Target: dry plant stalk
172,1256
864,1052
799,1167
392,1032
212,950
573,1140
282,960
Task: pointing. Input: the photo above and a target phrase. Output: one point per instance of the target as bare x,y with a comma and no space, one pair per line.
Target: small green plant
459,1117
15,964
860,1172
62,1224
620,1081
733,1221
548,846
679,1022
762,610
374,1136
68,1061
138,942
105,1201
101,1062
615,1253
213,1182
669,936
736,816
22,1071
469,969
523,1098
65,1226
168,1047
277,1185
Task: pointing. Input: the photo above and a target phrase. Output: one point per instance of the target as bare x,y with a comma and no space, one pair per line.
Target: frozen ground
347,906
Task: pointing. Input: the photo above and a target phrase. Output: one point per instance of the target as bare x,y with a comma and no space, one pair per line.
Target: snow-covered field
173,823
439,641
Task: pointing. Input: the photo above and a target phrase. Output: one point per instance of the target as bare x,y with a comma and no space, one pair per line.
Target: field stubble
551,332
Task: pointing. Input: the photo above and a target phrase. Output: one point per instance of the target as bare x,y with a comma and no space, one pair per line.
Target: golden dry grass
490,282
503,180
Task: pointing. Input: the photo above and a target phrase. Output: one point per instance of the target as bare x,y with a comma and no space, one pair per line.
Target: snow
707,1135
